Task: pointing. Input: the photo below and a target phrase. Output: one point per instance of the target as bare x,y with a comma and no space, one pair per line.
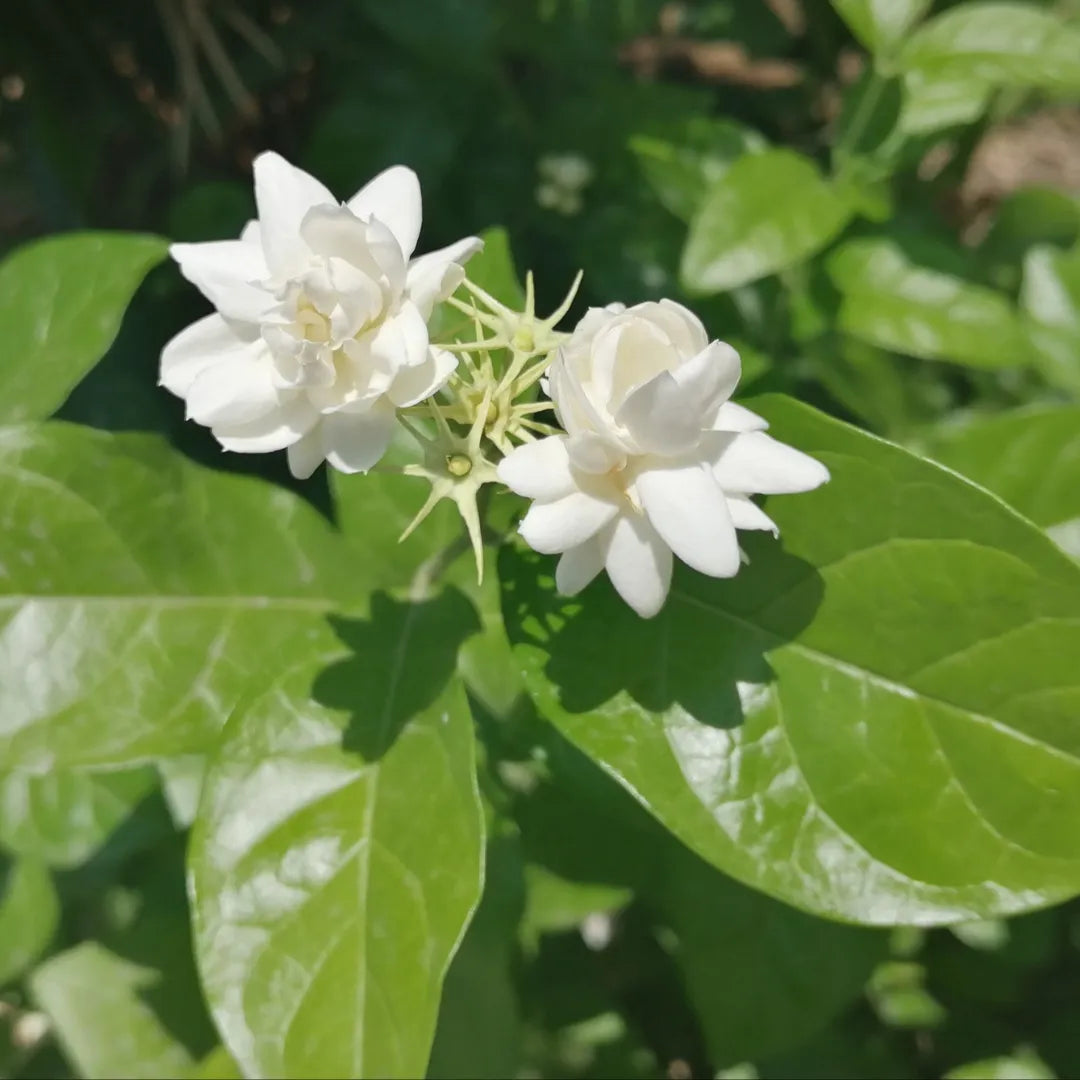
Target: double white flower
321,324
656,459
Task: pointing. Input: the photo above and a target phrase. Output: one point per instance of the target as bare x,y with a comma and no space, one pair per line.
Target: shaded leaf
1050,300
893,303
770,211
881,24
1001,43
61,302
1031,458
29,915
337,856
682,168
63,817
872,721
94,1001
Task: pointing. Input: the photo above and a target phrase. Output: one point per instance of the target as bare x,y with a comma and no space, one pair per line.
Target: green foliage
282,796
61,300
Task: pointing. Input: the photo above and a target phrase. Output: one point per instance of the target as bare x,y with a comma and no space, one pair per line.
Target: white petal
578,566
284,194
688,509
306,455
274,431
237,392
394,198
201,345
661,417
402,340
551,527
594,454
746,514
732,417
412,384
336,232
433,277
251,233
226,272
756,463
355,441
711,376
639,565
539,470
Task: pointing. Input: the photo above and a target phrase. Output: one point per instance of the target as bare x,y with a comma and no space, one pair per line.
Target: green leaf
61,302
1031,458
1050,300
873,721
64,817
29,915
881,24
337,856
479,1033
935,100
1024,1064
96,1002
217,1065
999,43
681,169
155,589
762,976
895,304
770,211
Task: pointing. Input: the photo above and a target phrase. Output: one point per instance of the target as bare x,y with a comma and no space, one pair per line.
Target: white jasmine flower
655,460
321,324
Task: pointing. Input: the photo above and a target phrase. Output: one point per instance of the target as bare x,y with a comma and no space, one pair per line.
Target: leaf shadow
706,652
402,656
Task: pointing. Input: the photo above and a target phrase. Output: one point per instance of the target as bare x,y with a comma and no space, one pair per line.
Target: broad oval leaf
769,211
891,302
874,721
337,856
61,302
881,24
138,594
1006,44
1031,458
29,915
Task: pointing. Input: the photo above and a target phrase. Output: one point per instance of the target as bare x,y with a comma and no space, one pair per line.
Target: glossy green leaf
1001,43
337,857
217,1065
1031,458
1050,301
761,976
187,581
97,1004
881,24
770,211
29,914
891,302
61,302
873,721
64,817
682,168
